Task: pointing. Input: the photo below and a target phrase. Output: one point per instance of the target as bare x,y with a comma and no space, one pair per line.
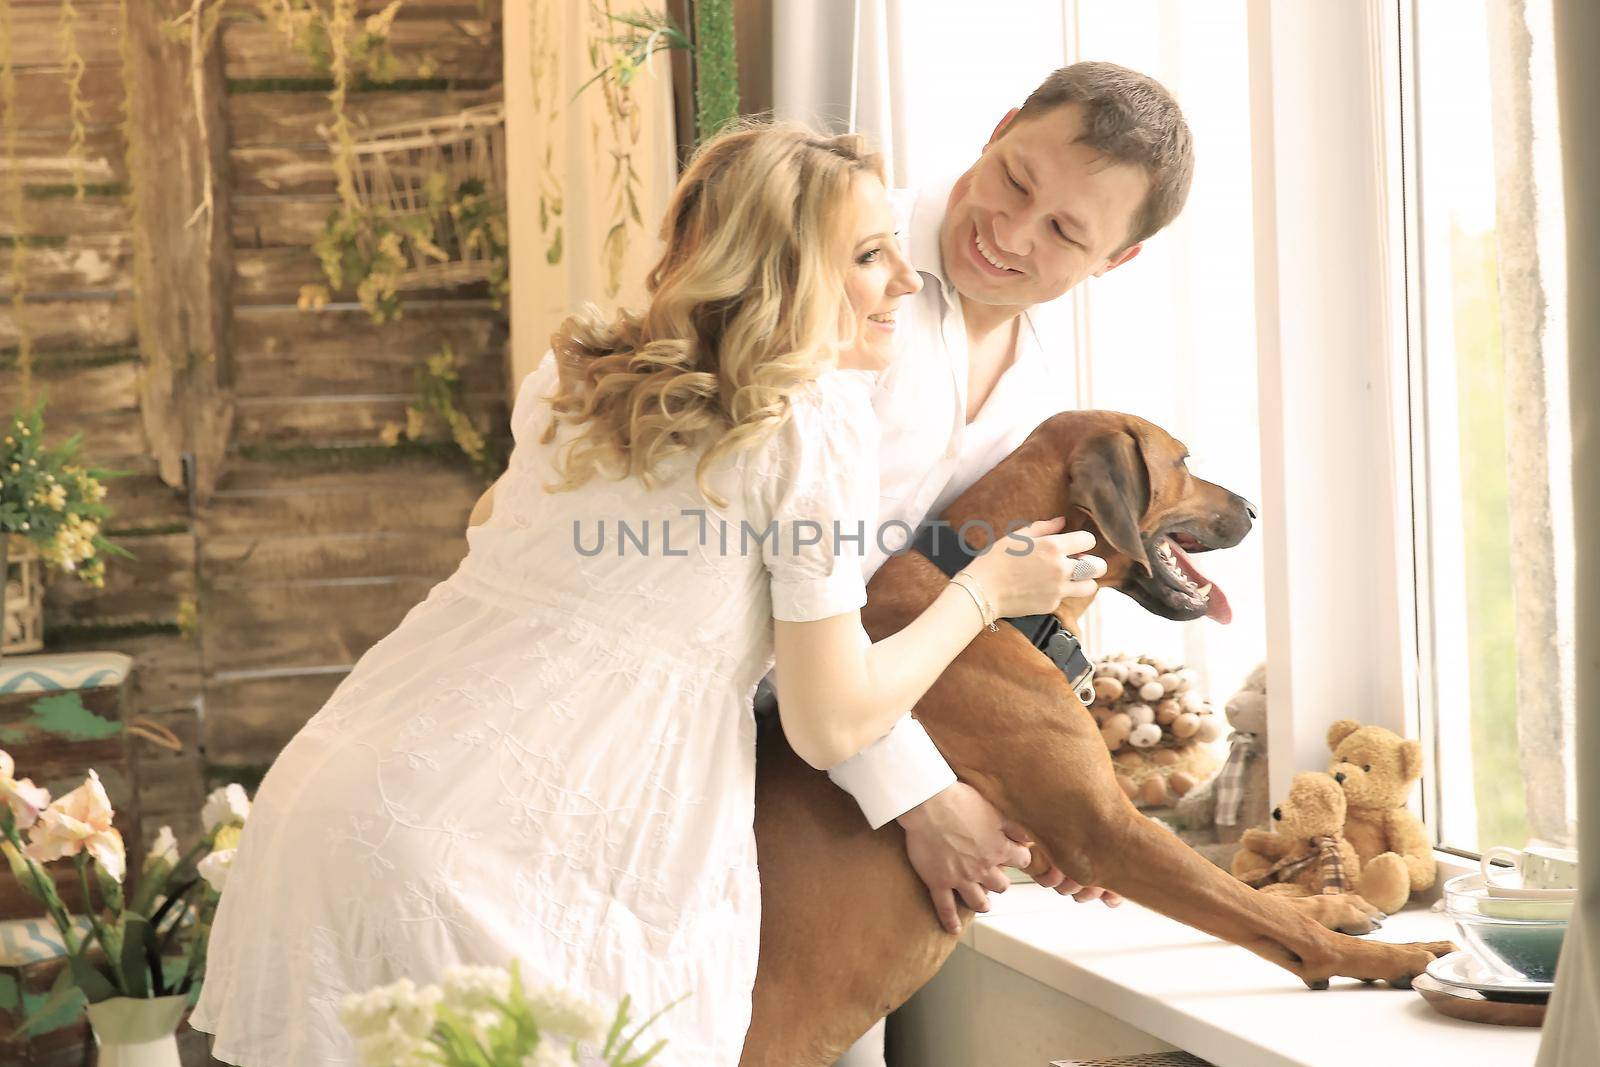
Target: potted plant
52,510
485,1017
142,952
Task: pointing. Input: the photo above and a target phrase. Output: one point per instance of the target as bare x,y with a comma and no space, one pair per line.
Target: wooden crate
55,735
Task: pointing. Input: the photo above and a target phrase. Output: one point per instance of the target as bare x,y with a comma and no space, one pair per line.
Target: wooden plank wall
79,314
244,611
318,539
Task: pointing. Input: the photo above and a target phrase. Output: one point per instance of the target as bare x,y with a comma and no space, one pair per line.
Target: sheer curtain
593,174
1572,1028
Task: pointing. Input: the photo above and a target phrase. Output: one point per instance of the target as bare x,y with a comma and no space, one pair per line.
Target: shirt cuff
895,773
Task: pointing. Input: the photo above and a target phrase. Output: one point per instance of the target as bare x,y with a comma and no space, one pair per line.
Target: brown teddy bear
1376,768
1308,854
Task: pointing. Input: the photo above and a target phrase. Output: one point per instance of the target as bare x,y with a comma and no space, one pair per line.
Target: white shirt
930,454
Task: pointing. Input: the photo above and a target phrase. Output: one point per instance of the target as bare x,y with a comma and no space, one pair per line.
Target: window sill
1222,1003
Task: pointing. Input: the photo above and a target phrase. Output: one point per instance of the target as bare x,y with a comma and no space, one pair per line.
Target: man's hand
1047,874
959,843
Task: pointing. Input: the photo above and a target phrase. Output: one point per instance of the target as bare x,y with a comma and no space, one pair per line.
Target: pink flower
79,821
24,798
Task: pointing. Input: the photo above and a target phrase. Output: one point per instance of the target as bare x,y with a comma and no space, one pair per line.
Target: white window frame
1337,478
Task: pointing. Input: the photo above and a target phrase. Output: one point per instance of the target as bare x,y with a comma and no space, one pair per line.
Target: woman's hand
1020,579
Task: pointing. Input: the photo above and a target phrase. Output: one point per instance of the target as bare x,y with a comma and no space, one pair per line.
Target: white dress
552,758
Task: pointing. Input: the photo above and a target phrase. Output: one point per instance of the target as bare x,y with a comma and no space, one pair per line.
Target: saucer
1463,970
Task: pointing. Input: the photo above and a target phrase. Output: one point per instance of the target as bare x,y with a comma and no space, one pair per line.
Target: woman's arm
838,692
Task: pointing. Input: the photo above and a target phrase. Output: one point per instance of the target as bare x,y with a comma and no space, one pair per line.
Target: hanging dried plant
546,74
13,193
77,107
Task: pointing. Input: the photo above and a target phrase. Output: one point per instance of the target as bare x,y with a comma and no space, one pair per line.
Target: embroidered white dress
552,758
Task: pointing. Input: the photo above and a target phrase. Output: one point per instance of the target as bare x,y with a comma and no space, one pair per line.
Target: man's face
1038,213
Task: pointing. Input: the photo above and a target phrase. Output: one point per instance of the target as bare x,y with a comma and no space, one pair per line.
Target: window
1170,336
1491,453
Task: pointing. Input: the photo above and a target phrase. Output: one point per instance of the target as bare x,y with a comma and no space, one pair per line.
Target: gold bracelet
979,597
985,608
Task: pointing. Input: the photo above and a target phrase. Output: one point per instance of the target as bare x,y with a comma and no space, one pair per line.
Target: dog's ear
1110,481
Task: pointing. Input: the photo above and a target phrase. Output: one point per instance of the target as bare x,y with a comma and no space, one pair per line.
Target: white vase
135,1032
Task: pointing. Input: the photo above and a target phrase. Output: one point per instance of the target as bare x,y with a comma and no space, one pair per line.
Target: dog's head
1150,516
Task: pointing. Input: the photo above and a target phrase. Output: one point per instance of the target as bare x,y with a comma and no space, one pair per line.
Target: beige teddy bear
1376,768
1308,854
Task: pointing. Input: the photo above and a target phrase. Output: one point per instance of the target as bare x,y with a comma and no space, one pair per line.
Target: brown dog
847,930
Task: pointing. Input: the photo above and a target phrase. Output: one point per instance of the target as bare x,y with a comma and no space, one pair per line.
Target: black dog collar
945,548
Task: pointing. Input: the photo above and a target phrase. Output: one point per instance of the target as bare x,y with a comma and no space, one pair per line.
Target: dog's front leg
1043,763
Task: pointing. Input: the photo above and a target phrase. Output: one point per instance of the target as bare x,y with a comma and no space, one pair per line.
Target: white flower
215,867
560,1012
391,1024
550,1054
229,804
470,989
164,850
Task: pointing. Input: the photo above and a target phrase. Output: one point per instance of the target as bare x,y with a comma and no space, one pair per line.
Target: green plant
649,32
53,501
437,400
716,86
486,1017
326,33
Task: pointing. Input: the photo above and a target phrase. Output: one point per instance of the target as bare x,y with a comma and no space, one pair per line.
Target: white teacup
1541,867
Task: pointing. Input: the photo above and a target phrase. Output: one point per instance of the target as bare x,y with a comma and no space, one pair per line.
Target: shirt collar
922,237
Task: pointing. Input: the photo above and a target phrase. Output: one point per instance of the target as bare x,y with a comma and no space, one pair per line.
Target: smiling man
1096,161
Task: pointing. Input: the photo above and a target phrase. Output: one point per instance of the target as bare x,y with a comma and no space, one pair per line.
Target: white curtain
590,177
837,65
1572,1028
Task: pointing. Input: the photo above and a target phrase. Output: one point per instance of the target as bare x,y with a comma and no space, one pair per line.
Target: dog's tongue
1217,603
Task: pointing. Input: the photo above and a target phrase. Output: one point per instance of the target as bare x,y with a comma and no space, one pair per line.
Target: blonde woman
552,759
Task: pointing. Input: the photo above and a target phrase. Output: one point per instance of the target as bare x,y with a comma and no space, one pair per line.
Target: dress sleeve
814,500
529,413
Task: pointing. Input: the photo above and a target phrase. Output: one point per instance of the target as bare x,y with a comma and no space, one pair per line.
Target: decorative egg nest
1157,724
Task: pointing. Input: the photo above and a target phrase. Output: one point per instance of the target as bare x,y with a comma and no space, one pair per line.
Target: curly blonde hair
746,308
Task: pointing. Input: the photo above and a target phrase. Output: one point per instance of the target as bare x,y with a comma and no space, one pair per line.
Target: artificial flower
215,867
164,850
25,799
228,804
78,822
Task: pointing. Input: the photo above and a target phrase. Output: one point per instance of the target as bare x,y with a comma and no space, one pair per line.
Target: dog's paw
1344,912
1416,957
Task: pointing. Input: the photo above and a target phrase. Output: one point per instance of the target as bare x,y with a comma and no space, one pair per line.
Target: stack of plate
1514,939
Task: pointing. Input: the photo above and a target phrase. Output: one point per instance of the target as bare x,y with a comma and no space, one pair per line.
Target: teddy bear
1376,768
1308,854
1242,782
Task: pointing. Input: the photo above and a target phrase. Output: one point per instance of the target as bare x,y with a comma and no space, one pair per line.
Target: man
1069,186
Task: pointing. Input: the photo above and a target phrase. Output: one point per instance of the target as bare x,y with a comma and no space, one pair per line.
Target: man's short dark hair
1131,118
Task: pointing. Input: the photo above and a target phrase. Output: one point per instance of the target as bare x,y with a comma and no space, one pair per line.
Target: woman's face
877,277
